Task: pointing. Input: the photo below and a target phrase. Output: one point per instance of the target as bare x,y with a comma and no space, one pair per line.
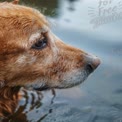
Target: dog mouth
64,84
44,88
81,77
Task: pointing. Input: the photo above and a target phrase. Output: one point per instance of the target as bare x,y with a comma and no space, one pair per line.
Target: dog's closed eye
41,43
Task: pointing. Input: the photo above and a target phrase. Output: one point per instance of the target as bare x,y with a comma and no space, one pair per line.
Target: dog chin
74,78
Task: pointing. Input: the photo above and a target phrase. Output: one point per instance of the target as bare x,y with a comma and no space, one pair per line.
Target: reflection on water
71,5
99,99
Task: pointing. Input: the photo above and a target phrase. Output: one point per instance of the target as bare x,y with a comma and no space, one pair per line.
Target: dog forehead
21,13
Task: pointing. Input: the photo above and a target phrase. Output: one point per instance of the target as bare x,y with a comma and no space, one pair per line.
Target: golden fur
58,65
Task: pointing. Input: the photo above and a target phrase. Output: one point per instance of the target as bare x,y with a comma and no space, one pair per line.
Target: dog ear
15,2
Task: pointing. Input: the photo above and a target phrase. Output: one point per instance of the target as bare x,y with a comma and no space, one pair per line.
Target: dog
31,56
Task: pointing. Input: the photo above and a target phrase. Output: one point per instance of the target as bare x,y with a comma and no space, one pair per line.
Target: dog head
32,56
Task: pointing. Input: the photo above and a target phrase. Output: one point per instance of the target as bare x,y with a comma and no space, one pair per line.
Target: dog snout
92,62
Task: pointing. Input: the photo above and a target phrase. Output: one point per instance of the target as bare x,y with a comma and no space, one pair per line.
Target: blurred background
96,27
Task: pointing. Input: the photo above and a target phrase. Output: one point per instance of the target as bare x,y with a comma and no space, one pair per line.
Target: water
95,27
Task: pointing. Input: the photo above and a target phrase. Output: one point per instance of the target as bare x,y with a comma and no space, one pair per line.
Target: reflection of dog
32,56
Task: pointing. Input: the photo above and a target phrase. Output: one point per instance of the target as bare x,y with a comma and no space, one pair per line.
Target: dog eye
42,43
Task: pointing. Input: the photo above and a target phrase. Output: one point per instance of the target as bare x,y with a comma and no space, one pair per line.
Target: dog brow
34,36
37,34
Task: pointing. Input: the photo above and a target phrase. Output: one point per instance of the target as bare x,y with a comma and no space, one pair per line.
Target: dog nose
92,62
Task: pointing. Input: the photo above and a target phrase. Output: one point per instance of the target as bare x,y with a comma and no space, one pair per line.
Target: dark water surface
95,27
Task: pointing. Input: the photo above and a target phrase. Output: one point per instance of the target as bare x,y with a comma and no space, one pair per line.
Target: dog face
32,56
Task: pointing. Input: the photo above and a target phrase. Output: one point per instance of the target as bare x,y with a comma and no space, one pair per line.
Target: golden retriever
32,56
